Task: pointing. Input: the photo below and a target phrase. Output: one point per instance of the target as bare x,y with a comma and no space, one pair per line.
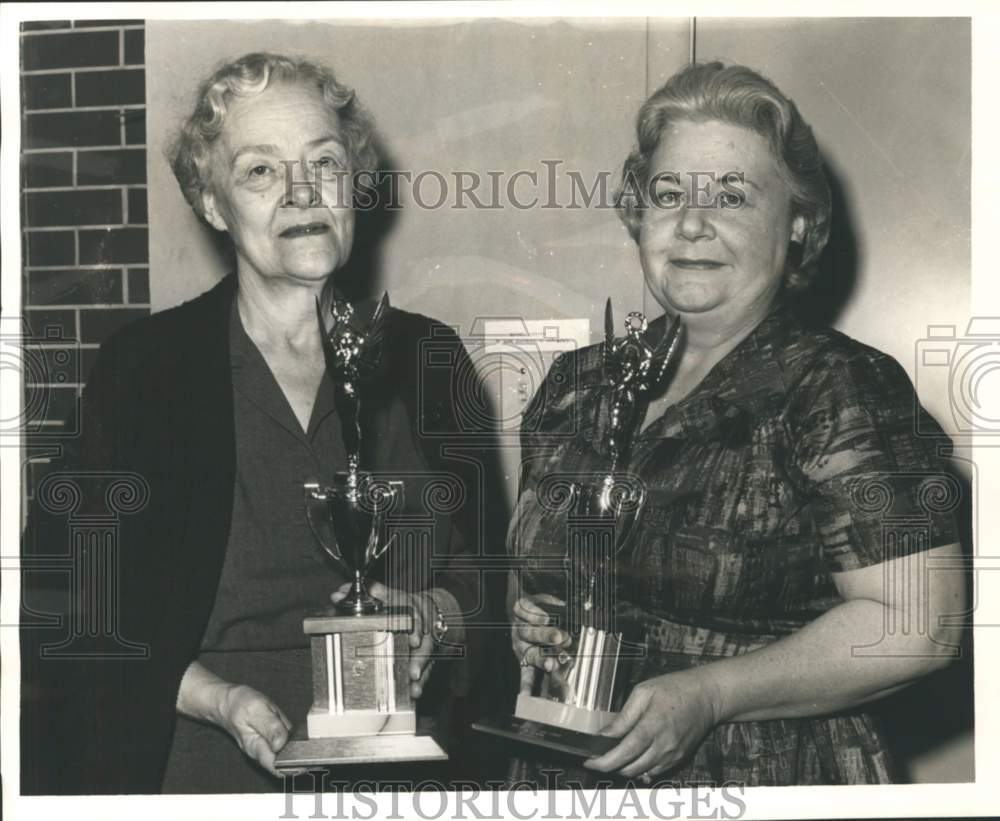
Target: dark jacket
154,463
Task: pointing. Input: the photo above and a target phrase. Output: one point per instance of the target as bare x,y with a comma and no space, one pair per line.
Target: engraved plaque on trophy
569,706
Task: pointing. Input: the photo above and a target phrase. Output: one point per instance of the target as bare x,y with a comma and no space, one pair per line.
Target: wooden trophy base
321,724
302,752
362,711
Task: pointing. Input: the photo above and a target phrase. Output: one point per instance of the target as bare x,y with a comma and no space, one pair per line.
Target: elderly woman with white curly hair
224,408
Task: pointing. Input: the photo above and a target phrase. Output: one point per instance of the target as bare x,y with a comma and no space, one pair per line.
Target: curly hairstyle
738,96
190,151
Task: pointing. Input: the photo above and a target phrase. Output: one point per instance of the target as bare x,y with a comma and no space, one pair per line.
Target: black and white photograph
495,410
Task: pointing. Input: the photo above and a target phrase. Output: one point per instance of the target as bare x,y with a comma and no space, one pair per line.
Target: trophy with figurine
362,710
569,705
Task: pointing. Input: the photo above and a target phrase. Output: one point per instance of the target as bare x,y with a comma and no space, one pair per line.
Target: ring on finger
525,661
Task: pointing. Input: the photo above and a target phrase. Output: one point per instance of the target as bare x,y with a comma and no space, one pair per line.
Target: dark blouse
274,571
795,458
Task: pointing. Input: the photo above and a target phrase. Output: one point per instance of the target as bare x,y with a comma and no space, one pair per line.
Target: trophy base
548,736
547,711
332,620
543,722
322,724
304,753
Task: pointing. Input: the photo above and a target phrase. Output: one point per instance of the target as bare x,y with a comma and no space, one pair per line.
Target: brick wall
83,213
83,205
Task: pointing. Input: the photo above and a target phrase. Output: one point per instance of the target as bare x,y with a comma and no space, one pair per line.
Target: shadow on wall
938,708
941,707
831,289
362,276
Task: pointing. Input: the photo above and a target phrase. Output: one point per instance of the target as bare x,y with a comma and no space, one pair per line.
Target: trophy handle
381,496
374,555
626,498
376,498
316,500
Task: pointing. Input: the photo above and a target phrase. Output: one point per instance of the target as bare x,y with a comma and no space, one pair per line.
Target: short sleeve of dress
876,488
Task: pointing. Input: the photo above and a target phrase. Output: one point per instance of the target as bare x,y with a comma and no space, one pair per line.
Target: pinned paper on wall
517,355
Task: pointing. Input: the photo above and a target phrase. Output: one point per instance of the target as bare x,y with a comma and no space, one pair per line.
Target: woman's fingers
260,750
662,721
644,763
542,635
420,621
420,658
425,675
281,716
527,609
341,592
534,625
527,679
664,765
626,751
269,722
380,591
263,740
630,714
533,636
419,676
547,598
545,658
630,727
536,657
259,726
398,598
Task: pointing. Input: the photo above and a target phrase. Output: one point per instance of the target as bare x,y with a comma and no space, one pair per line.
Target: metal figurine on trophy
573,702
362,710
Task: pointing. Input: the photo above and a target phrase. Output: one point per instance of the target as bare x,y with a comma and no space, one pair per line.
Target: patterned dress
802,453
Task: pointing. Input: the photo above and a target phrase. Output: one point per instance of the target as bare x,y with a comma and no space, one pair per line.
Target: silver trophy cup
353,510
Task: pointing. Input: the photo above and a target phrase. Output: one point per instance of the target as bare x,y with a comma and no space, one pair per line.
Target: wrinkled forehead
284,112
